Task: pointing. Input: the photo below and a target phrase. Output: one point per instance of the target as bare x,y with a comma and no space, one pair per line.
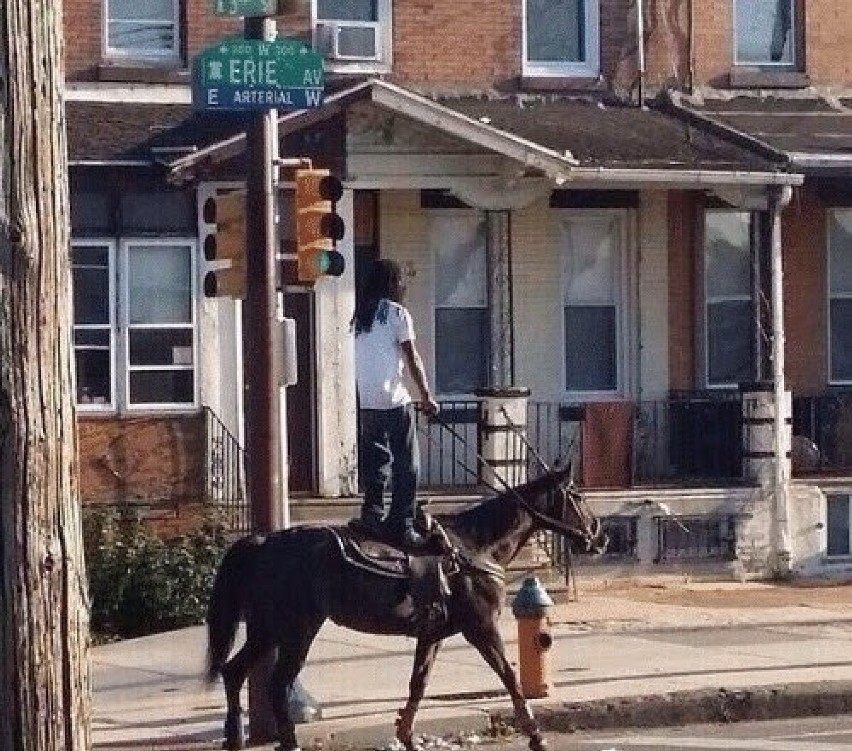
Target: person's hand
428,405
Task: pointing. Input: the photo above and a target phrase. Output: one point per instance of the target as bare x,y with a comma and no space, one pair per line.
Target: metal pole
261,363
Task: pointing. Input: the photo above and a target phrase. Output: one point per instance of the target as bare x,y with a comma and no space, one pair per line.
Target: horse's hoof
235,738
537,743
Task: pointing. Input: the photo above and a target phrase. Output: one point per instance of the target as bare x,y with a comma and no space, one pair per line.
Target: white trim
191,246
621,286
829,213
589,68
793,65
122,53
87,91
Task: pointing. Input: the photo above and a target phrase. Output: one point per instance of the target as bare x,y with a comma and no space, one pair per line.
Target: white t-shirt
379,362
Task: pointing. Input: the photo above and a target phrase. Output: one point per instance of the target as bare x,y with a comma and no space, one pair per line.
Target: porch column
498,253
779,197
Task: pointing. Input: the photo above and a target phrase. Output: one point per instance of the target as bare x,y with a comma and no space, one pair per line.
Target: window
837,526
94,322
462,339
353,34
840,295
729,319
560,38
142,356
765,33
142,30
591,253
696,537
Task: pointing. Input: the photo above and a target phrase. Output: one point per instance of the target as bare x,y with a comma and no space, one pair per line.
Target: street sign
250,74
244,7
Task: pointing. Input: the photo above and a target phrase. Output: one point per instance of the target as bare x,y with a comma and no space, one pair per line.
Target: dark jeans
388,450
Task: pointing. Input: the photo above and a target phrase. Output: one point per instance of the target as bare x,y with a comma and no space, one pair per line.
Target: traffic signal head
226,242
318,227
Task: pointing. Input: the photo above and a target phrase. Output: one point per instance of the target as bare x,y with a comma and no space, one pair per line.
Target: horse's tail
227,603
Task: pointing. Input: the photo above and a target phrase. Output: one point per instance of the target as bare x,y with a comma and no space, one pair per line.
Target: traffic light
318,227
226,242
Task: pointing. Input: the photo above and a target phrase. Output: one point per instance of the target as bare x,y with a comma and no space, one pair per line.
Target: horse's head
567,512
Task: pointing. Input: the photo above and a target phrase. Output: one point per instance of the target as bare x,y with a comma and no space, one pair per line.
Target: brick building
608,202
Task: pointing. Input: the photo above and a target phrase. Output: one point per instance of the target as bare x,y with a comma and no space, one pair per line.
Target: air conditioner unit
348,40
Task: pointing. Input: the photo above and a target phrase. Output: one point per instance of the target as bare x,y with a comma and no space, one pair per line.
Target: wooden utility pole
45,694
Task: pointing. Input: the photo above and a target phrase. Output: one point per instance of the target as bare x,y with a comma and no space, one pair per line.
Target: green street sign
248,74
244,7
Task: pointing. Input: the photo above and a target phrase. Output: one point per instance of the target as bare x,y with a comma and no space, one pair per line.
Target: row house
629,216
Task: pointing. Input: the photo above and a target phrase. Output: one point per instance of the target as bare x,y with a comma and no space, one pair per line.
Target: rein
568,494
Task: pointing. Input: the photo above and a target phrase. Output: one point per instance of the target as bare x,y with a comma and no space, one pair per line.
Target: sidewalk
637,641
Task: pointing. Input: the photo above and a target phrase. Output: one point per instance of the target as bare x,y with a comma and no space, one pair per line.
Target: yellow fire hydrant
534,639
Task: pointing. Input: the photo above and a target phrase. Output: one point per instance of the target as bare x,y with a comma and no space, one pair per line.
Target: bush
142,584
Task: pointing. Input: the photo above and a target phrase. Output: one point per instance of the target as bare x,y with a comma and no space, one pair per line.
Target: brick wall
827,35
148,460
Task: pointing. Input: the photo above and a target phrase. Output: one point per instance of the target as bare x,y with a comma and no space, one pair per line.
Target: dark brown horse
288,584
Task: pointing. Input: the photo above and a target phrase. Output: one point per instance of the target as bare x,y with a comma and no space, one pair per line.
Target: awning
813,134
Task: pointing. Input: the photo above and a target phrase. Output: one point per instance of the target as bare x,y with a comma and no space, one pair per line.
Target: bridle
569,495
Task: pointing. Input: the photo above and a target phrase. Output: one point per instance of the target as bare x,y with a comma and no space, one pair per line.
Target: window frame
796,35
191,245
707,300
123,54
435,215
830,296
588,68
620,285
111,246
836,557
384,42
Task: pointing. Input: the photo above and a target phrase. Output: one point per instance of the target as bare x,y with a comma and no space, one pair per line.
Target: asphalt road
802,734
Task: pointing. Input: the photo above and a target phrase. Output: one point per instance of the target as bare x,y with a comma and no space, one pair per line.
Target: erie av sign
247,74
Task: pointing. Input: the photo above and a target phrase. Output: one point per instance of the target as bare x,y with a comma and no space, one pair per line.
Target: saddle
427,570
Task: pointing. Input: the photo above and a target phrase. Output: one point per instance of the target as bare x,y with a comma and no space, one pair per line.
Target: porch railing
225,481
822,430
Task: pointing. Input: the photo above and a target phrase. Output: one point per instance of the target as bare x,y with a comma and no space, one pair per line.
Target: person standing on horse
384,349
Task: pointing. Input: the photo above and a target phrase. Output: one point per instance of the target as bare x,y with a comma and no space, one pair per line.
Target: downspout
779,197
640,48
690,87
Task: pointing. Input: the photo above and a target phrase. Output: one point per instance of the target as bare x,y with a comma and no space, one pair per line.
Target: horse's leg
292,653
233,676
424,658
489,643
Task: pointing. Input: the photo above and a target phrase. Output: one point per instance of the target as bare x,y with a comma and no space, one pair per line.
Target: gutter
686,177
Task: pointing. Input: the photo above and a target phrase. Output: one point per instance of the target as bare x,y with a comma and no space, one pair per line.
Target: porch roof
565,139
813,134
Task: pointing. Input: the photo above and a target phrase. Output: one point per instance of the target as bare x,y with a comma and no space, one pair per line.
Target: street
802,734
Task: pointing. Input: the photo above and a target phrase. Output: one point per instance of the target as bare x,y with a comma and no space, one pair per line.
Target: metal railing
692,436
696,538
225,481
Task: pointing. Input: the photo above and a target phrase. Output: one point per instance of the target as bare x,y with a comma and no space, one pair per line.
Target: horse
287,584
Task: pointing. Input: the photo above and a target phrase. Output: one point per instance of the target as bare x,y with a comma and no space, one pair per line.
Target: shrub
142,584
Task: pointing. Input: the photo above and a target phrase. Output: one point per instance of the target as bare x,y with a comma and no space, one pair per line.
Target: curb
700,706
689,707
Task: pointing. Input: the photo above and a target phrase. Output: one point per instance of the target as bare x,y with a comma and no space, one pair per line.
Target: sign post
260,74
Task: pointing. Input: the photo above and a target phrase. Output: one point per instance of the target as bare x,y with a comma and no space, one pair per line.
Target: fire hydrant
534,639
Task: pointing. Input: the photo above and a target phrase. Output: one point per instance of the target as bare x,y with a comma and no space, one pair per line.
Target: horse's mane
479,522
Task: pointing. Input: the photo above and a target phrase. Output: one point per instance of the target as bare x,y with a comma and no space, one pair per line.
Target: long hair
384,282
